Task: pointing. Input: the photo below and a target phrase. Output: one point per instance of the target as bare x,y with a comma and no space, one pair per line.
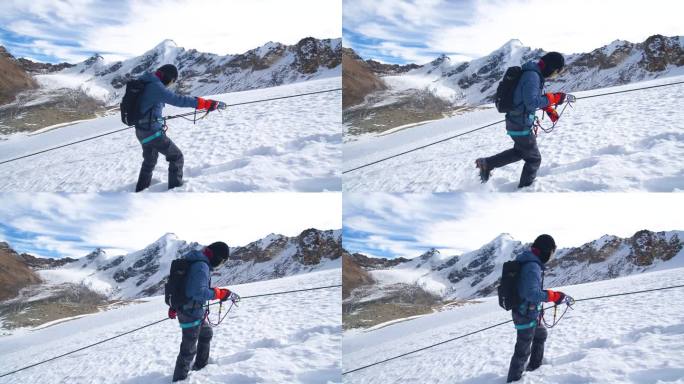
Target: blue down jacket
197,285
530,288
152,102
528,96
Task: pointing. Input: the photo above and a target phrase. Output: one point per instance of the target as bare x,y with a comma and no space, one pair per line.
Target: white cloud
129,28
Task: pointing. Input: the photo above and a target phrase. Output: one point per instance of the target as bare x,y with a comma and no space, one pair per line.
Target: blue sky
407,225
417,31
73,30
72,225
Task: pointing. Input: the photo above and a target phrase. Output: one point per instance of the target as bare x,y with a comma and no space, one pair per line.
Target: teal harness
191,324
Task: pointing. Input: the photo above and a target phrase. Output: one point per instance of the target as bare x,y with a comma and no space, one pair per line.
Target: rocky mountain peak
97,253
313,245
311,54
93,59
440,59
511,45
165,44
430,253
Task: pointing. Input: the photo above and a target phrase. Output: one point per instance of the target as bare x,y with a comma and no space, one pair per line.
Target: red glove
207,104
551,113
556,297
555,98
172,313
221,294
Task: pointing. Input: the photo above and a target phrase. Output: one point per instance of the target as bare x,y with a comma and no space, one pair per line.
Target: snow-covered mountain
205,73
474,82
476,274
143,273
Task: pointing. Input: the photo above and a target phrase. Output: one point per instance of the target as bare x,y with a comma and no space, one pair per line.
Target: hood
197,255
149,77
531,65
529,256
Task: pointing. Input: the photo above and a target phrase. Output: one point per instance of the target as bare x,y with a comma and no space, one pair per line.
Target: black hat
219,253
168,73
546,245
552,61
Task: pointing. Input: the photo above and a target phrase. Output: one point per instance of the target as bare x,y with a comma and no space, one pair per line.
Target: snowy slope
143,273
630,339
624,142
271,146
292,338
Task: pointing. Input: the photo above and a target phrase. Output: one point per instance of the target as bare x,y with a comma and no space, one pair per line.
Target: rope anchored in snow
499,122
159,321
505,322
182,115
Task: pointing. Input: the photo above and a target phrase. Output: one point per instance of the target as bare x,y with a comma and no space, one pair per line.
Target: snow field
628,339
292,338
625,142
283,145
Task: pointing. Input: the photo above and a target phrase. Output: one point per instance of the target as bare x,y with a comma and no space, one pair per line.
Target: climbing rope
498,122
502,323
164,119
157,322
568,301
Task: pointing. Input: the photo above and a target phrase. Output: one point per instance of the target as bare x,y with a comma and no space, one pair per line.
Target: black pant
151,152
524,148
528,345
196,341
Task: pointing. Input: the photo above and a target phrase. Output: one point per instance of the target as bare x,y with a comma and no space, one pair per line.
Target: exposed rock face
660,51
358,80
41,68
310,54
37,263
371,263
383,69
308,248
14,274
13,78
648,247
314,245
353,276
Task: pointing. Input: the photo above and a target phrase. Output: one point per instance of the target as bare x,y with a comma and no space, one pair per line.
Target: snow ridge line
498,122
500,324
157,322
186,114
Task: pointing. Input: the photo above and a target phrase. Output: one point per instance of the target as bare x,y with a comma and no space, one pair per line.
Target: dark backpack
174,289
503,99
508,288
130,104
